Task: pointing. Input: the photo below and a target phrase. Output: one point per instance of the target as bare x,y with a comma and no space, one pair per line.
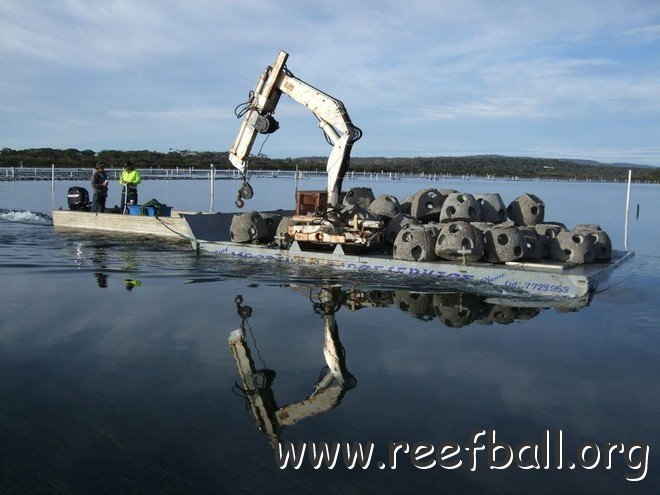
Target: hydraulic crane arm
330,112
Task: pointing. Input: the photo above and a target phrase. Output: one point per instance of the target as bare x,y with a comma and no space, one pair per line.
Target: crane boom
258,118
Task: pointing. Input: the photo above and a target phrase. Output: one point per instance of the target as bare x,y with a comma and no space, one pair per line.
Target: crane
257,114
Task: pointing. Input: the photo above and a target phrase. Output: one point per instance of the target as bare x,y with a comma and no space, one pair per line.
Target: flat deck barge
544,278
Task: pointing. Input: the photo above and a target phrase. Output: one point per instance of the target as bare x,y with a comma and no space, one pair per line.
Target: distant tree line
499,166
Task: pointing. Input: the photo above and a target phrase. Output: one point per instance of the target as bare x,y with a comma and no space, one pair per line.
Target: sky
559,79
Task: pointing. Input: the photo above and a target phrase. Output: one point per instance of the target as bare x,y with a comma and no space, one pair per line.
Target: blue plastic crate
165,211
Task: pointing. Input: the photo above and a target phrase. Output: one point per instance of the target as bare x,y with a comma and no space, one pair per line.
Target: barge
544,278
347,233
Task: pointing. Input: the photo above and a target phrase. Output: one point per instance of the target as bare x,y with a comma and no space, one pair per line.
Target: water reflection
457,309
334,380
452,309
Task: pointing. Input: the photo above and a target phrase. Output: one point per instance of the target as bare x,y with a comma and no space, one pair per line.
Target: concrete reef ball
573,247
362,196
415,244
504,244
282,237
483,226
460,206
385,207
272,220
547,232
434,229
534,244
349,213
460,236
602,242
247,227
427,204
526,210
406,204
398,223
492,207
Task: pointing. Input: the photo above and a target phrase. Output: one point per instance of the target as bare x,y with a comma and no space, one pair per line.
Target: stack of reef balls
451,225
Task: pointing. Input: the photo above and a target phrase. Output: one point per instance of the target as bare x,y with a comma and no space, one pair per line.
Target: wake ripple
25,216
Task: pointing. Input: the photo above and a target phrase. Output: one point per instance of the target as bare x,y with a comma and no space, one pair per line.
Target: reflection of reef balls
417,304
502,314
457,310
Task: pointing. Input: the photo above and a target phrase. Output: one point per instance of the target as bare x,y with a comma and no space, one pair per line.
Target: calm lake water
117,375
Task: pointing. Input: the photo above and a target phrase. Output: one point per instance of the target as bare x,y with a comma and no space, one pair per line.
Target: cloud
412,67
203,113
645,34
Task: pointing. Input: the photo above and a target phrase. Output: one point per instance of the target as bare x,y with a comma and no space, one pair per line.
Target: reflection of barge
453,309
543,278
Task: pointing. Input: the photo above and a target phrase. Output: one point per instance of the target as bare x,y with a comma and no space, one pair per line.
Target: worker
129,180
100,187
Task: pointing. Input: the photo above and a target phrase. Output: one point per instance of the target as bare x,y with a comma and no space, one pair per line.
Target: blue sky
578,79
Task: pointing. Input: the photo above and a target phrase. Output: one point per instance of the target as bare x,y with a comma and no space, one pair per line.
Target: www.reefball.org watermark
482,451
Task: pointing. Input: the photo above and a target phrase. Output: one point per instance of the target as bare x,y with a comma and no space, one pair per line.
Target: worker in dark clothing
100,187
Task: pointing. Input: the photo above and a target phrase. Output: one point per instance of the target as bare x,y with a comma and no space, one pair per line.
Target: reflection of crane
257,383
258,112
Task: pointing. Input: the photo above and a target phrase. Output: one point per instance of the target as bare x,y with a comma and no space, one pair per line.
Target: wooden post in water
52,179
